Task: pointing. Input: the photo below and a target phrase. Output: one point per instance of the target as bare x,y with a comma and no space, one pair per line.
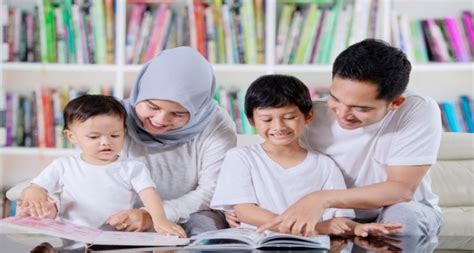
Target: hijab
180,75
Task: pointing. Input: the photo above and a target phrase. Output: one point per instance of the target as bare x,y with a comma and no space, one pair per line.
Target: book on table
88,235
247,239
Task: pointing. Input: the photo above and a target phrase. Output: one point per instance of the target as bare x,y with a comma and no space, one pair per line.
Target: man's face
354,103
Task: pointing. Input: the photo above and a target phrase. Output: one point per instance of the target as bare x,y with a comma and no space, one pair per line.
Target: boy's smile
280,127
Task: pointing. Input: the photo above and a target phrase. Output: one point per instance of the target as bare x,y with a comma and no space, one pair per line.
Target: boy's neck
287,156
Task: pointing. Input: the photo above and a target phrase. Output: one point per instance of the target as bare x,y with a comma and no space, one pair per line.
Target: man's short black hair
275,91
87,106
377,62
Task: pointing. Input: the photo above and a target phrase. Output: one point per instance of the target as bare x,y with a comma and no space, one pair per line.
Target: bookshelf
443,81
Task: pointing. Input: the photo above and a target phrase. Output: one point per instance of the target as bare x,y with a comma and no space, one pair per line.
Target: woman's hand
232,219
132,220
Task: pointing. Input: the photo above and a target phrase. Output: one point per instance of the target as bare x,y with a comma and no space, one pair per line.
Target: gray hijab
181,75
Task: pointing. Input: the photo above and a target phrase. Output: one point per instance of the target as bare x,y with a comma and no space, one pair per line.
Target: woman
178,130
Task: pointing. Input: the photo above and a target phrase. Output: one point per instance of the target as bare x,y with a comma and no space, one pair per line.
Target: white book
88,235
248,239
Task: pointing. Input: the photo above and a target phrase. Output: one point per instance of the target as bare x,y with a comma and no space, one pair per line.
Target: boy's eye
266,120
93,137
363,109
290,118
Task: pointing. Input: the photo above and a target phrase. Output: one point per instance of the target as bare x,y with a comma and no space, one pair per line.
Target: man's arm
401,184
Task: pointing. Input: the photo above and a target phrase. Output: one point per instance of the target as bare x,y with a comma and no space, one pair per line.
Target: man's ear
70,136
397,102
309,117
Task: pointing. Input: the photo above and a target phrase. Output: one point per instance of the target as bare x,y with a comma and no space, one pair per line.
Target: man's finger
275,222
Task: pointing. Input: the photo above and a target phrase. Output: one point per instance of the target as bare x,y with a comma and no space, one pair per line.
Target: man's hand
232,219
301,218
377,229
132,220
36,202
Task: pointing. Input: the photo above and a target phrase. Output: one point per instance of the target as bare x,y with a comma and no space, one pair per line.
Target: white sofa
452,179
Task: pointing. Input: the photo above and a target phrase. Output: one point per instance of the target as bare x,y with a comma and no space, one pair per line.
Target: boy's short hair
277,91
377,62
87,106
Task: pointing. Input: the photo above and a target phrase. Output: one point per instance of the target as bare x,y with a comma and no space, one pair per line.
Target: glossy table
10,242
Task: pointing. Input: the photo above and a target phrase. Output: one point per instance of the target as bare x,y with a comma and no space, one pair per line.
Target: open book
89,235
246,238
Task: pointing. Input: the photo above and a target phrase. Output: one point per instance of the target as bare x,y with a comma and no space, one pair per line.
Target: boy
259,182
93,185
397,134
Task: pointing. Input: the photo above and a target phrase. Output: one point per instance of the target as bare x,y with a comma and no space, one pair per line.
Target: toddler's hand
165,226
36,202
376,229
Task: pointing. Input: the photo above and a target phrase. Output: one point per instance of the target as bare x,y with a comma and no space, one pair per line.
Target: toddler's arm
36,202
152,202
254,215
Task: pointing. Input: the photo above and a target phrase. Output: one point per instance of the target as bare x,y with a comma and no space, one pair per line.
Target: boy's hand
376,229
334,226
232,219
165,226
36,202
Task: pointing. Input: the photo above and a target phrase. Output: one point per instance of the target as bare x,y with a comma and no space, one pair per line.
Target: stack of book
317,33
60,32
230,32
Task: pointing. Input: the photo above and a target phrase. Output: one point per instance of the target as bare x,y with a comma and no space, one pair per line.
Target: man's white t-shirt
408,136
89,194
249,175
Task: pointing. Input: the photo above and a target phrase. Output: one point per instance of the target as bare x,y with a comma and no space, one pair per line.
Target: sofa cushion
458,221
453,181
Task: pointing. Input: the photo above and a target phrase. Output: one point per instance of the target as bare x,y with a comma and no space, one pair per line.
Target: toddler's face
280,126
159,116
100,138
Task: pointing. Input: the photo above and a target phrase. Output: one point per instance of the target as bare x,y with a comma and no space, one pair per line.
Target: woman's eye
115,135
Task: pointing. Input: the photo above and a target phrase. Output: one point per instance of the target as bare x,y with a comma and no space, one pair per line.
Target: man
383,138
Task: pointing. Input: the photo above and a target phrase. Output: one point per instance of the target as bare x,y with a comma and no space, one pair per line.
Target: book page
274,239
138,239
62,229
245,235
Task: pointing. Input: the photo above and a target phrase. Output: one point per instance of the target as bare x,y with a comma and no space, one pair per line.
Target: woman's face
159,116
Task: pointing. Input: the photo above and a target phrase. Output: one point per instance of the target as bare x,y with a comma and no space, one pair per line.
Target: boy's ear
309,117
251,121
70,136
397,102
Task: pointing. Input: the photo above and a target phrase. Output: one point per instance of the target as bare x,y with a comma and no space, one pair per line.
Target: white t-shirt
408,136
249,175
89,194
186,176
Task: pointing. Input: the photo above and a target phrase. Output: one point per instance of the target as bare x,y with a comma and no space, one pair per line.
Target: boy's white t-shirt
249,175
408,136
89,194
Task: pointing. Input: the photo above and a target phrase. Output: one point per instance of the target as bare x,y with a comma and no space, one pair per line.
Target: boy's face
159,116
100,138
280,126
354,103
